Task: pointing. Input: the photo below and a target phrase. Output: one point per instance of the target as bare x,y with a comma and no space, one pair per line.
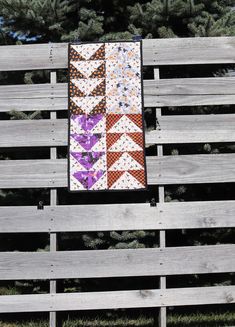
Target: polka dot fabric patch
106,130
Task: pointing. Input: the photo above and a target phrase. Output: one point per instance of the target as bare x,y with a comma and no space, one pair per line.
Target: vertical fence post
53,202
162,236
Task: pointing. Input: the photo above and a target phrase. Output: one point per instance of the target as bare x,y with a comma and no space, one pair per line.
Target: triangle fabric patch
125,162
87,159
99,54
74,73
88,68
90,86
126,181
88,178
86,50
86,141
113,176
90,105
99,72
99,90
139,175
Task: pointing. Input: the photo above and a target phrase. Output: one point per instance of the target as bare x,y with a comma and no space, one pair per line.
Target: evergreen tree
183,18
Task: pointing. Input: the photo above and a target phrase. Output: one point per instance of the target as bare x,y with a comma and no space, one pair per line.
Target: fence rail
162,170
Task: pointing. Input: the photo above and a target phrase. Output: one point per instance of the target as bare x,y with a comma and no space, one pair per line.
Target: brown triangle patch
74,55
136,119
74,73
137,156
113,176
111,120
112,138
99,54
75,109
137,138
139,175
100,108
99,90
74,91
113,157
99,72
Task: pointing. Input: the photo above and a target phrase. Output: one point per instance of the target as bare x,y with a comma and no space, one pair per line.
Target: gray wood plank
193,129
33,56
29,97
189,92
26,133
33,173
188,51
108,217
170,129
117,299
185,169
176,51
165,92
191,169
117,263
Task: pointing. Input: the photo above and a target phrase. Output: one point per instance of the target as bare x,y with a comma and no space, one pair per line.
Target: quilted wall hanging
106,130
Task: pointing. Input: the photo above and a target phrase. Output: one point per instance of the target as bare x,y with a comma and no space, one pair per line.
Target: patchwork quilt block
106,130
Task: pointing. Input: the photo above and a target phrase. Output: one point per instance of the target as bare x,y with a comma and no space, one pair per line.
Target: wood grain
28,133
117,263
170,129
185,169
189,92
108,217
160,93
176,51
193,129
118,299
188,51
33,56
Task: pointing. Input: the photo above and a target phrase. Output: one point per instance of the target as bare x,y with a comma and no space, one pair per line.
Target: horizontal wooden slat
189,92
170,129
187,169
191,169
26,133
34,56
176,51
117,263
182,215
161,93
117,299
188,51
30,97
193,129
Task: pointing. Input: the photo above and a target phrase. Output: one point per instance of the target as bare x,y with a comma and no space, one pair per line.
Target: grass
176,320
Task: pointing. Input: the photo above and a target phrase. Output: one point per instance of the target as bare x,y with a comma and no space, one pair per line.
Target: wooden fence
162,170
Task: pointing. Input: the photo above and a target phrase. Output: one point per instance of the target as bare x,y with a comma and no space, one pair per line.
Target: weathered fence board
170,129
28,133
178,51
137,216
117,299
193,129
164,170
189,92
34,56
117,263
188,51
30,97
161,93
191,169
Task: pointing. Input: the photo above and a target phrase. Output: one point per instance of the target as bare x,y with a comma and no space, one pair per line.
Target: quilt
106,130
